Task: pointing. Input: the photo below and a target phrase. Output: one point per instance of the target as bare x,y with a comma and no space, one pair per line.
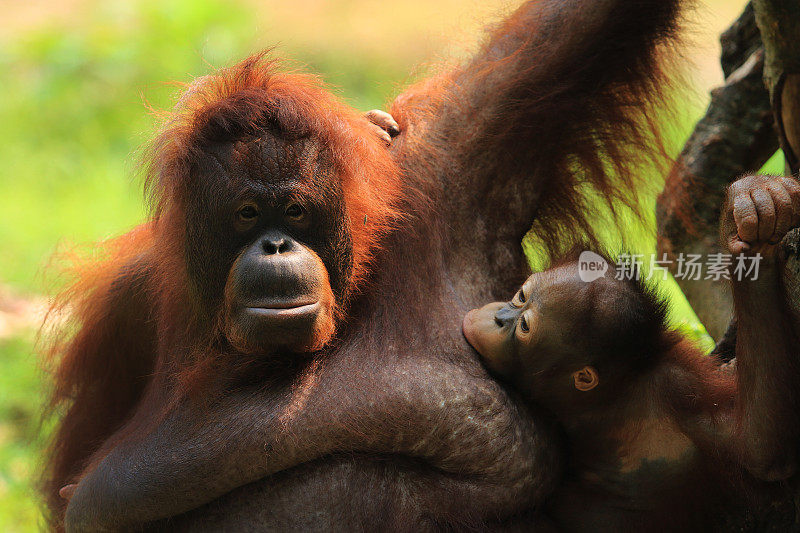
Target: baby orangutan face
531,339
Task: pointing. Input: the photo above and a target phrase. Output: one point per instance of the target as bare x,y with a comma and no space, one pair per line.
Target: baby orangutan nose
485,331
505,316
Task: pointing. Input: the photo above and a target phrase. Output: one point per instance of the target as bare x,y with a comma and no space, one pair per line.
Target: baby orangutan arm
758,212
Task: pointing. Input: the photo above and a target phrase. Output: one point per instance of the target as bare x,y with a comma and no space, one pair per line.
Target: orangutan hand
758,212
385,126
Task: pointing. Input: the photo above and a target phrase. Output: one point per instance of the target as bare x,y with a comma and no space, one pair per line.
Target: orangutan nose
505,315
276,245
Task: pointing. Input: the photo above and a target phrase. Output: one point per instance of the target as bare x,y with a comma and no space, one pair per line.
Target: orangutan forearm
193,450
767,364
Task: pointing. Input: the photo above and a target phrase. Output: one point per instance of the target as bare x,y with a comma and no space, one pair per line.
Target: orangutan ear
586,378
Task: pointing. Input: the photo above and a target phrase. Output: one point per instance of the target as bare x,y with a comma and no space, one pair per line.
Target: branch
740,41
779,22
791,274
735,136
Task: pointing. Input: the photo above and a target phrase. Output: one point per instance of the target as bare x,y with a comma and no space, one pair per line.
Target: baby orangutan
659,437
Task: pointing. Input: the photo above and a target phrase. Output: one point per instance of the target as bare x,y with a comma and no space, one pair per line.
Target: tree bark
779,23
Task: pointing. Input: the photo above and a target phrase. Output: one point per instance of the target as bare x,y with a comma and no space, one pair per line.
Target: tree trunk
779,23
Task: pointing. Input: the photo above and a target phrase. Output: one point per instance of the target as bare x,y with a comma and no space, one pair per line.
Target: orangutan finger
783,210
765,209
746,217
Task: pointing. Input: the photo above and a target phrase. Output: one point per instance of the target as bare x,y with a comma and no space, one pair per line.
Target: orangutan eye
247,214
522,295
523,324
294,212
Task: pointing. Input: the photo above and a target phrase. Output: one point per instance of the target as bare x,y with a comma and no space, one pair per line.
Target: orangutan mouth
284,310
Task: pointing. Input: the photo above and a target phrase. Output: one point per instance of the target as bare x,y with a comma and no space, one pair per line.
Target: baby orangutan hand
384,125
758,212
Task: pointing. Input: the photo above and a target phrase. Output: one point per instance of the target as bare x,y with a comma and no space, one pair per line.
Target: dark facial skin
284,268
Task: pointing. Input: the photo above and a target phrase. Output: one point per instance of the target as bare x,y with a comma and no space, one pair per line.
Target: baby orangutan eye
518,299
523,324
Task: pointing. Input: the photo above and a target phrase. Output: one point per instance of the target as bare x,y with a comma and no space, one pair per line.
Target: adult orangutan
280,345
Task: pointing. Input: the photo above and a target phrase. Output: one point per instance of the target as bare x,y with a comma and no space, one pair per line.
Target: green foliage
20,403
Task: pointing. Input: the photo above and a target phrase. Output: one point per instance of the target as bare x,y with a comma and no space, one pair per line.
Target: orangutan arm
457,424
557,96
759,211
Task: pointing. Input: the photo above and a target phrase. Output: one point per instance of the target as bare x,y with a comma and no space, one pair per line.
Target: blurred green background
74,81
